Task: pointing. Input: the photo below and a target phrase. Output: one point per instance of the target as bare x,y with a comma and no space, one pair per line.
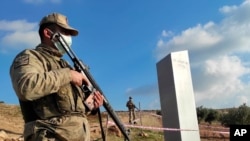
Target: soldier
48,89
131,108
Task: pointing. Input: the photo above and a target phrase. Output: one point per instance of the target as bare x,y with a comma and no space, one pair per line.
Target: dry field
11,127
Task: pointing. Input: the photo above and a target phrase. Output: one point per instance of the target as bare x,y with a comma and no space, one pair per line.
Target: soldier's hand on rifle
98,99
78,78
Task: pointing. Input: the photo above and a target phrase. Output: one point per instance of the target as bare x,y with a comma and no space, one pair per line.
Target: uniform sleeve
30,80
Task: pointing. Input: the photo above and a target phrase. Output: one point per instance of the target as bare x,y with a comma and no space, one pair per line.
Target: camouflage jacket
41,80
130,105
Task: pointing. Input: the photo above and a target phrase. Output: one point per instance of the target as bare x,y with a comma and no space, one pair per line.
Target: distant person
131,108
48,88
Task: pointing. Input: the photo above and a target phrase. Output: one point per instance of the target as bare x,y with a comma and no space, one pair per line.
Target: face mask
58,45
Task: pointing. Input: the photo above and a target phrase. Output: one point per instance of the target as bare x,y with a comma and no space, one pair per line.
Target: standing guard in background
131,108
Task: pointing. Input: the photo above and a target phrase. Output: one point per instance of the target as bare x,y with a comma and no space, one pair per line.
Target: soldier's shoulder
26,52
23,57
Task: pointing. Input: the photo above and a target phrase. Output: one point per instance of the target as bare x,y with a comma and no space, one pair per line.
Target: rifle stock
81,67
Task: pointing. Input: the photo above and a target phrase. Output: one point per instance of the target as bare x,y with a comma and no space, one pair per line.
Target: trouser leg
130,116
133,115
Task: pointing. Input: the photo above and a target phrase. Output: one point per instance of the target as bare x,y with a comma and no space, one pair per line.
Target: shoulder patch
21,60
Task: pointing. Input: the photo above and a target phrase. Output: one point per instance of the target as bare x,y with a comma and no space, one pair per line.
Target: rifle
82,68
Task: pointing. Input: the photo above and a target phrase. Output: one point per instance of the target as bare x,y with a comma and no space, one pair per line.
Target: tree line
227,117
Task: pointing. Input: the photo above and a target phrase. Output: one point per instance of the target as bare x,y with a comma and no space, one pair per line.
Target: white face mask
60,48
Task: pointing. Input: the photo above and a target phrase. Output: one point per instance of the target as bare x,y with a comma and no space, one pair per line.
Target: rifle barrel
81,67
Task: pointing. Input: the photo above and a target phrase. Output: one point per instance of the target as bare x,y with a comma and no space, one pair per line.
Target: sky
122,40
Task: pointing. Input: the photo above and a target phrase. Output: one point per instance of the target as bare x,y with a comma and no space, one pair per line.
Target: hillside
11,127
11,124
11,121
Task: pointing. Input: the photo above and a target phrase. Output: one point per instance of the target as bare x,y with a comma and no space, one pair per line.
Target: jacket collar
49,50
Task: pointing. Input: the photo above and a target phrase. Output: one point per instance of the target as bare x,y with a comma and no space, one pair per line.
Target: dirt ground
11,125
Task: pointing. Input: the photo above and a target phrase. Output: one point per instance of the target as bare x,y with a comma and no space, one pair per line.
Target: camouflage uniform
131,108
52,107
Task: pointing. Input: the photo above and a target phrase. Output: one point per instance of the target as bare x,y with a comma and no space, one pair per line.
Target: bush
158,112
207,115
236,116
201,113
211,116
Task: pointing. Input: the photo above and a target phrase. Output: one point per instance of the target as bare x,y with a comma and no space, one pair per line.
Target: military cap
60,20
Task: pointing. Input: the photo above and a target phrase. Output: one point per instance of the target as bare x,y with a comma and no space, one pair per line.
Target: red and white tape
162,129
152,128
